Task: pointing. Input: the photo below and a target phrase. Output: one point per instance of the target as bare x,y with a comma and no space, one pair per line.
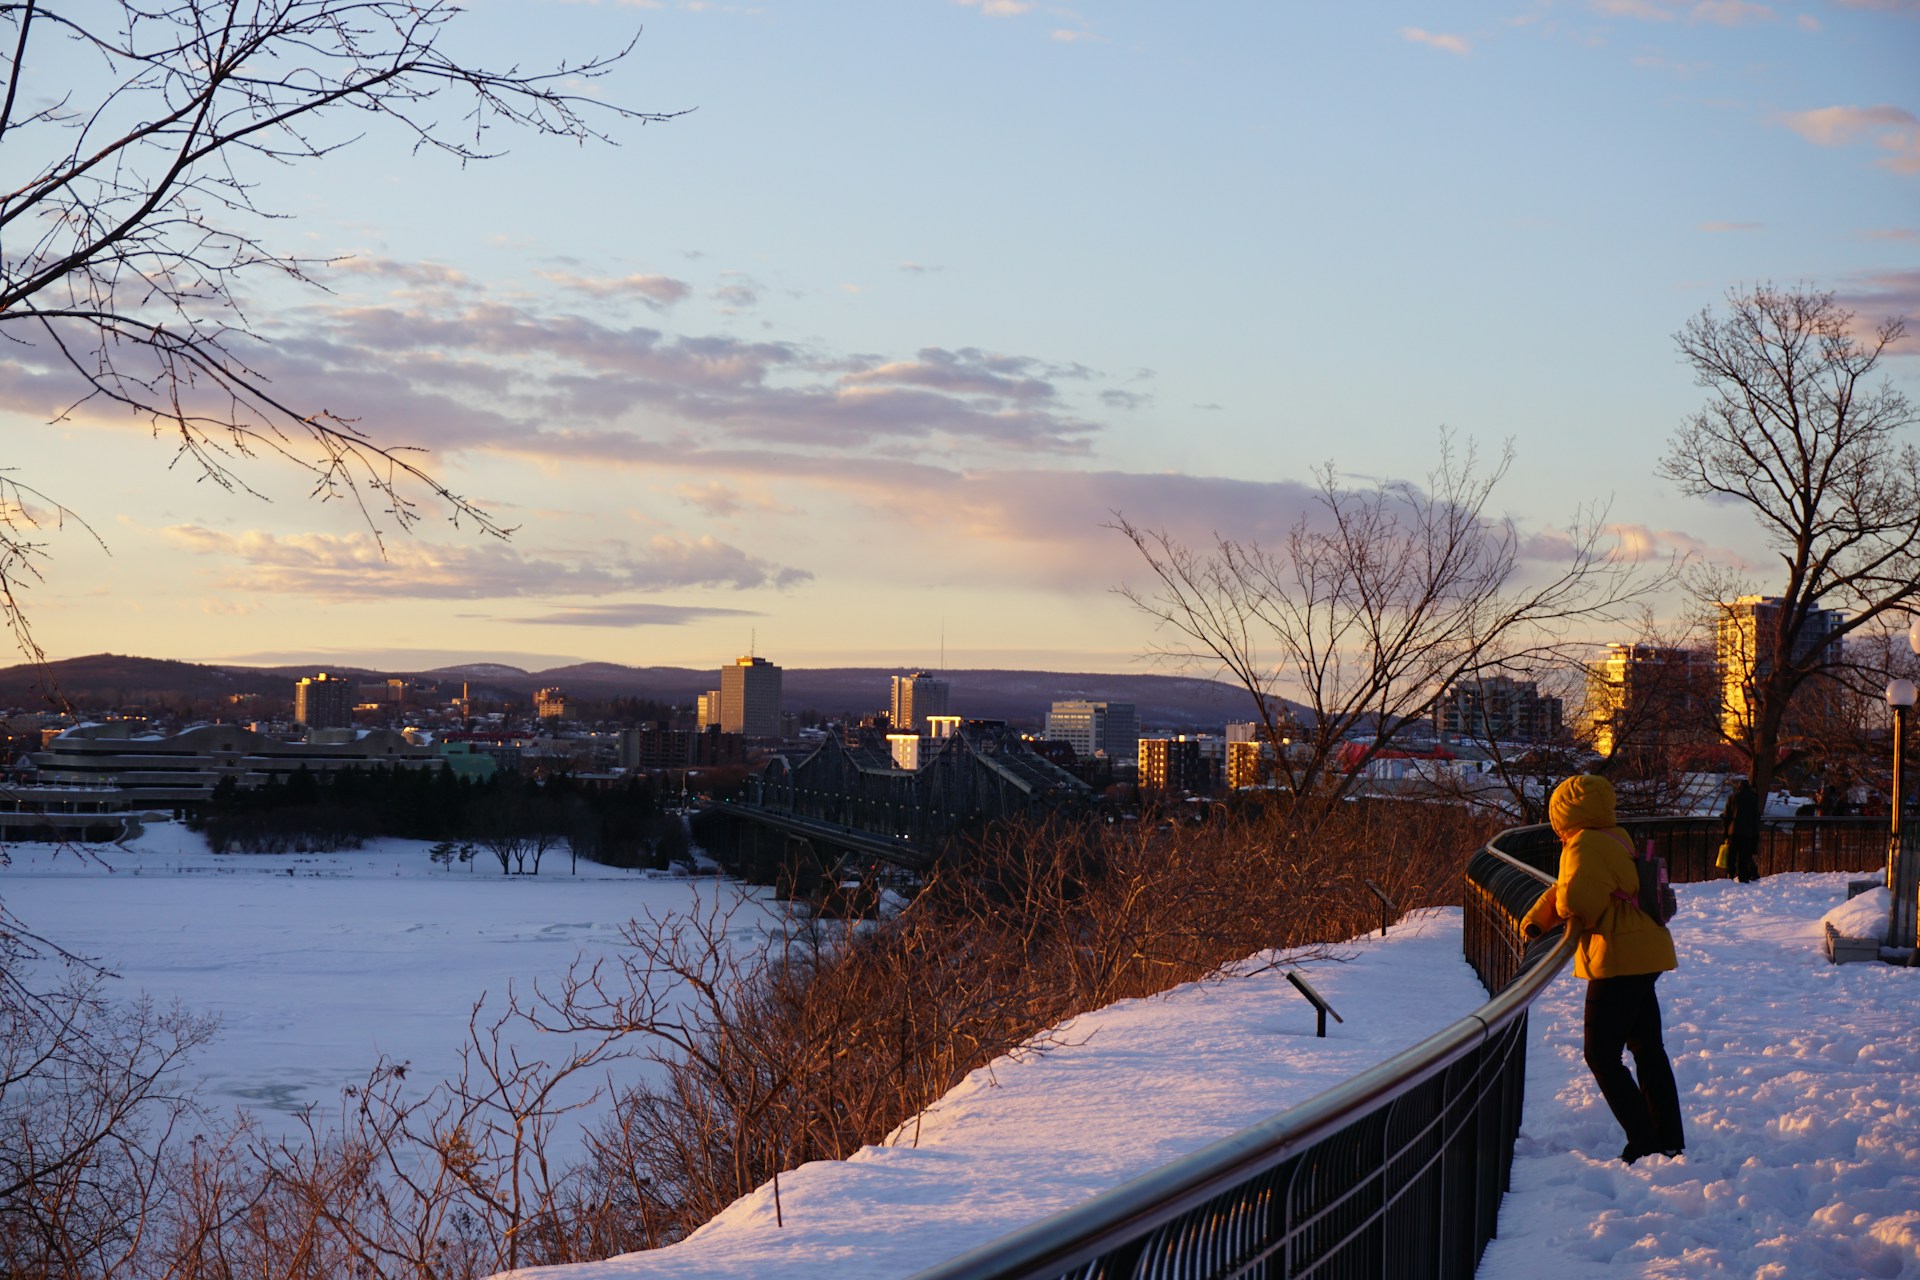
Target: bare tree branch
1793,432
1375,603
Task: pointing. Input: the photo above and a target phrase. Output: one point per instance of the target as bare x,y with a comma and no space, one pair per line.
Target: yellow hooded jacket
1596,858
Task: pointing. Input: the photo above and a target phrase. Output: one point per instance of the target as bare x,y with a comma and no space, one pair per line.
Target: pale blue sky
874,338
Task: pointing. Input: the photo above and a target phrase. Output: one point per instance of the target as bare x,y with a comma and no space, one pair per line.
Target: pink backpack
1656,896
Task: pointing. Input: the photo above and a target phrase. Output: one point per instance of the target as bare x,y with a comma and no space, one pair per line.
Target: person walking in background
1622,952
1740,828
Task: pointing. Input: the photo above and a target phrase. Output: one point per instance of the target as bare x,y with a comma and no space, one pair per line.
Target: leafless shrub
745,1044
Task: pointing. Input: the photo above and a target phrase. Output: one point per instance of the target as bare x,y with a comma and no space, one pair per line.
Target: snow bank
1131,1087
1862,916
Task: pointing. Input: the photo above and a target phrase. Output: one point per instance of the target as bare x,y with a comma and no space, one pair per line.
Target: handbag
1724,859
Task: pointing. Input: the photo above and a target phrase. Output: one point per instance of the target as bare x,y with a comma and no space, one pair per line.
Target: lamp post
1903,865
1901,696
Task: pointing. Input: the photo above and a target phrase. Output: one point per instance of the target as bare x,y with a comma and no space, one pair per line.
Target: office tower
750,698
1642,695
323,702
1497,709
915,697
1111,729
1174,764
553,704
1746,636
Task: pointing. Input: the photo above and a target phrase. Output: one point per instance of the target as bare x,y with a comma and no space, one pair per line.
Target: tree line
514,820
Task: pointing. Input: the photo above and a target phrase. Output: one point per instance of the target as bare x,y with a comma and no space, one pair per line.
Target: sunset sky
863,352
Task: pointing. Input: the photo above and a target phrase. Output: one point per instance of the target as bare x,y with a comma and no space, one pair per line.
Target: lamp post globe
1913,636
1901,694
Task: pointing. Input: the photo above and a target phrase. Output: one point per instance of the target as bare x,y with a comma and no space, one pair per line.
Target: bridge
853,805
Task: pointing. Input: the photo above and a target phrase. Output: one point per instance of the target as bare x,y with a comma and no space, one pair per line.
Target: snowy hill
1800,1081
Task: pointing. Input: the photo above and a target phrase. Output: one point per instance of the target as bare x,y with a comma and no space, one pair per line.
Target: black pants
1624,1013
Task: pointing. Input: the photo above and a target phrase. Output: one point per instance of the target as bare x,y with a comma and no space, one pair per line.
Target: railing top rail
1054,1245
1518,865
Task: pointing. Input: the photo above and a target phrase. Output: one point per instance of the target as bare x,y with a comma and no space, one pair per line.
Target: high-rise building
323,702
1746,636
750,698
1642,695
915,697
1111,729
1497,709
1251,763
1175,764
554,704
707,714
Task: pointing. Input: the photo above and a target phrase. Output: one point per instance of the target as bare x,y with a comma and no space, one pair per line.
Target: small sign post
1387,905
1320,1006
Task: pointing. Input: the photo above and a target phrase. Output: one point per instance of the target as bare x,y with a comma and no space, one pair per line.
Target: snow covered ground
1133,1086
318,964
1799,1080
1801,1086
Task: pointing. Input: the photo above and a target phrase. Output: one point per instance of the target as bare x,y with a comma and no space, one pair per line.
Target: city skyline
868,375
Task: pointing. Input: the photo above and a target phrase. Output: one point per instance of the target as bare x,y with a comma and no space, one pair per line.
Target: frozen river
317,965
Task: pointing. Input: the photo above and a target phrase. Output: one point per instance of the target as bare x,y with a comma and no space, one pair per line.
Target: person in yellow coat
1622,952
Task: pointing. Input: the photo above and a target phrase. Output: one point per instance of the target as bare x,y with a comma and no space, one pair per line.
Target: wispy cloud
1893,129
1437,40
1641,544
1892,233
736,293
414,273
356,566
1729,13
1879,296
999,8
1645,10
721,500
640,614
568,375
1720,13
656,291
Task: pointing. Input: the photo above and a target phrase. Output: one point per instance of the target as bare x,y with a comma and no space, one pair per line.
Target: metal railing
1690,844
1400,1170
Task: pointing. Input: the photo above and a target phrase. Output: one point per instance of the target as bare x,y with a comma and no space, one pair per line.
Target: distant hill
1021,697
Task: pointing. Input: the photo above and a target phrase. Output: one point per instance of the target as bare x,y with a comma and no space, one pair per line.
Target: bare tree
137,134
1793,431
1374,604
518,824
